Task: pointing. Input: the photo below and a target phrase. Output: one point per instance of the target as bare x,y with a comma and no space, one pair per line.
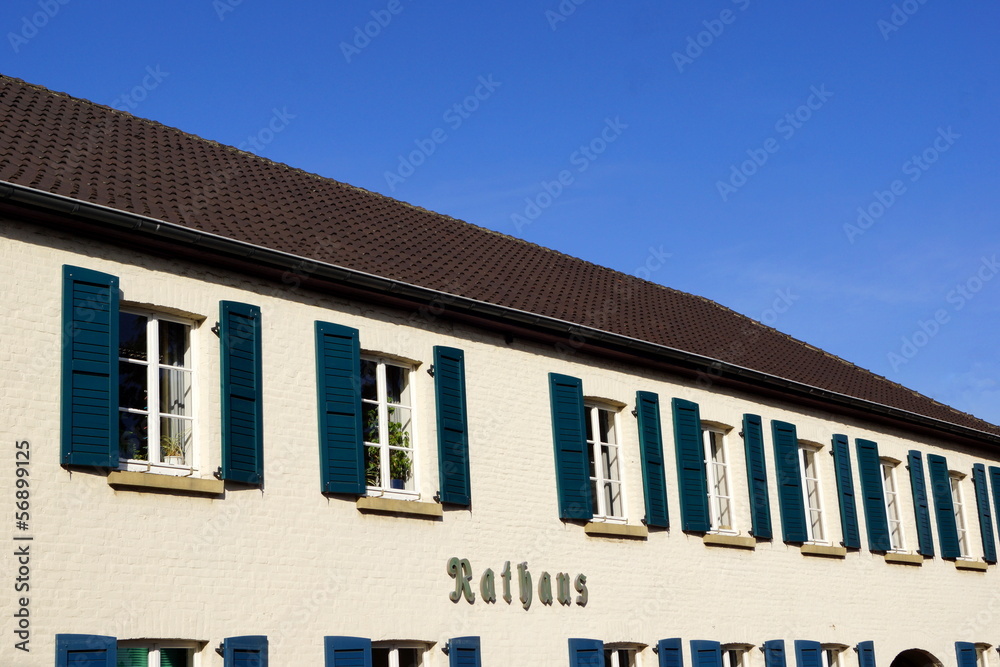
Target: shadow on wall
915,657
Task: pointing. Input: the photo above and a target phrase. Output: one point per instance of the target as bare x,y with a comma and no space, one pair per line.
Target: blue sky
830,169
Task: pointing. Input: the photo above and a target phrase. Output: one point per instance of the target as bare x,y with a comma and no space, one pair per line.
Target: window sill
733,541
974,565
904,559
407,507
823,551
607,529
145,481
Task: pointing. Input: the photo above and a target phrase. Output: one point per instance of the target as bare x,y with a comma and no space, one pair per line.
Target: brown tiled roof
67,146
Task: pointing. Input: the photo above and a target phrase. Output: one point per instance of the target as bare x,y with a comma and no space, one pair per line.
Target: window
387,410
717,468
892,512
605,473
392,655
736,655
832,654
960,525
155,393
812,495
154,654
620,656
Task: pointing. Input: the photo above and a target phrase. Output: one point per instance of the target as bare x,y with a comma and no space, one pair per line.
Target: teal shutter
89,369
760,503
338,387
670,652
86,651
808,653
242,400
873,495
995,484
790,501
944,508
866,654
691,478
348,651
569,434
132,657
965,652
464,652
705,653
452,426
985,516
654,476
247,651
845,492
586,653
925,535
774,653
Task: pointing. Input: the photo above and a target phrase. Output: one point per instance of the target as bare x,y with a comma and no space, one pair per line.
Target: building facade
224,452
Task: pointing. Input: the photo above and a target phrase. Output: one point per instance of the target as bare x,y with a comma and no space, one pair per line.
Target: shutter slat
790,501
569,437
693,484
89,432
452,426
586,653
944,508
654,478
870,471
464,652
925,534
985,515
242,395
845,492
670,652
338,388
808,653
348,651
760,503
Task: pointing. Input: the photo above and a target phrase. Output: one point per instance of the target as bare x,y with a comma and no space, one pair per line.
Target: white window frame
155,646
634,653
383,419
393,647
592,410
811,451
152,413
983,654
961,522
890,492
833,654
712,468
736,655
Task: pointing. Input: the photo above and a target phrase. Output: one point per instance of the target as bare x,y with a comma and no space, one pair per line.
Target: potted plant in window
172,447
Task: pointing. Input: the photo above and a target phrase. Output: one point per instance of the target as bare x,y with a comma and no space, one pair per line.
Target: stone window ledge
732,541
408,507
145,481
823,551
904,559
975,565
605,529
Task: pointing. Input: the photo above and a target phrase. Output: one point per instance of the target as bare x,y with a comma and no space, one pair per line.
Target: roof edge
33,198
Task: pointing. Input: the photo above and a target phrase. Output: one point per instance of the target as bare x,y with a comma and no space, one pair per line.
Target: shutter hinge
218,473
635,412
446,649
656,650
437,497
220,650
215,330
643,521
430,370
741,434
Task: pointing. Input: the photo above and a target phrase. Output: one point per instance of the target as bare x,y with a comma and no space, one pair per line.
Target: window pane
589,419
399,427
609,461
607,426
369,389
409,657
132,436
370,411
132,336
175,344
132,657
396,389
175,392
373,466
613,498
725,520
132,380
173,657
175,441
380,657
609,660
